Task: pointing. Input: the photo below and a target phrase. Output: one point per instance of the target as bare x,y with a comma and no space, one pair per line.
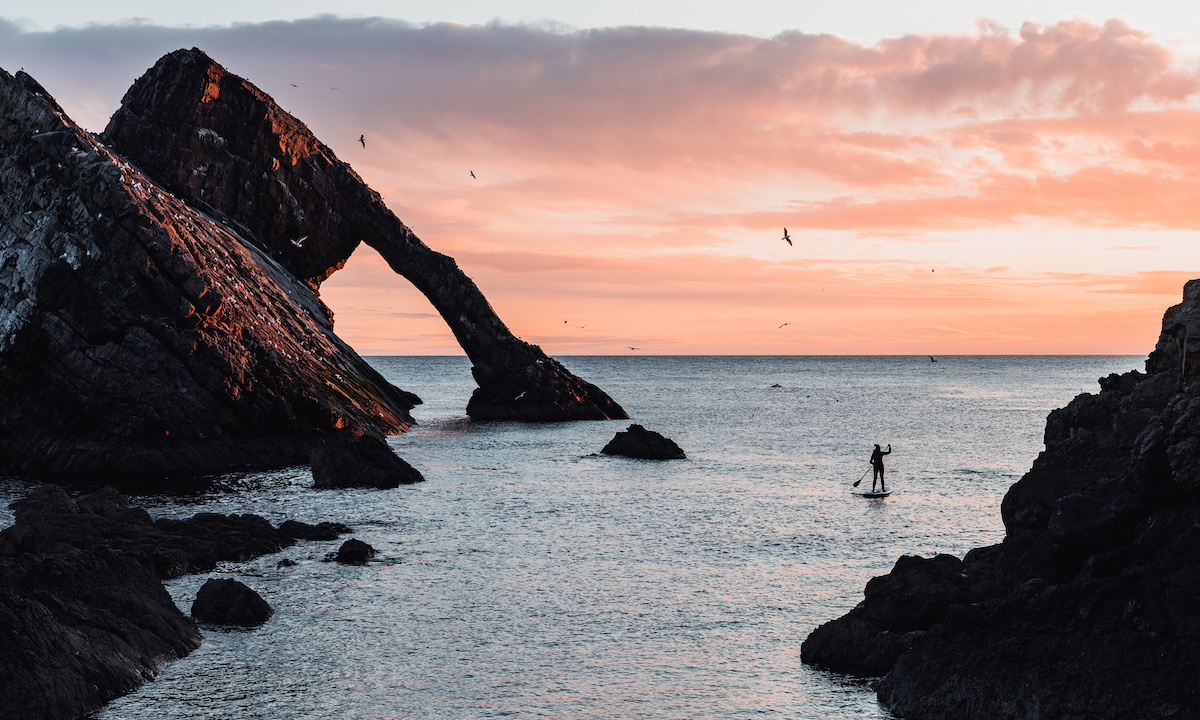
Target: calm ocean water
529,577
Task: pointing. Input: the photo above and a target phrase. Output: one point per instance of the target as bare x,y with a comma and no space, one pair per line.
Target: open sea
530,577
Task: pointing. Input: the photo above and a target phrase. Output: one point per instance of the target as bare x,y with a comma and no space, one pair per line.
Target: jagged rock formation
1088,606
222,144
84,617
139,335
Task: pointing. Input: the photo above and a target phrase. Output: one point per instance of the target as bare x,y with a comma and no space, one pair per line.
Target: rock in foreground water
224,601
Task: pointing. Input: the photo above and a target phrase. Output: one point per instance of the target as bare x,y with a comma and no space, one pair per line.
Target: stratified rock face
223,144
638,442
1088,608
140,335
225,601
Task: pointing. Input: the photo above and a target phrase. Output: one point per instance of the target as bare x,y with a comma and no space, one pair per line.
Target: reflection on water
529,577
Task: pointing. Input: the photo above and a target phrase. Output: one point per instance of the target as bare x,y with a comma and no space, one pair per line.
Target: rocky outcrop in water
140,335
84,617
222,144
342,461
638,442
225,601
1088,607
354,552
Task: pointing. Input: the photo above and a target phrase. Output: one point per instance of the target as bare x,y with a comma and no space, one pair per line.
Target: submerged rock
1087,608
223,145
224,601
321,531
638,442
355,552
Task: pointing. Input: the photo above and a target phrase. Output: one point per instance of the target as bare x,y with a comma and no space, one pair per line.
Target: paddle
856,482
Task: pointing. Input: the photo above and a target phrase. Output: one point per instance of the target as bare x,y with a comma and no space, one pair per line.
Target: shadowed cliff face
140,335
224,145
1088,607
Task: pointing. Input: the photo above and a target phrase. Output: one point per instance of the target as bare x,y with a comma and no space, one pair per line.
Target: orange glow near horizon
947,194
994,191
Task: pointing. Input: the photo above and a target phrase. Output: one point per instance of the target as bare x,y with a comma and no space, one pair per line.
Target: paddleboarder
877,467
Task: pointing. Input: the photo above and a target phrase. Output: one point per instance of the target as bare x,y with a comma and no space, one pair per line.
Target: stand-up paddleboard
873,494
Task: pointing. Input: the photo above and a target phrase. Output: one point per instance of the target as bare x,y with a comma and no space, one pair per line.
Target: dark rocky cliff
141,335
1088,608
225,146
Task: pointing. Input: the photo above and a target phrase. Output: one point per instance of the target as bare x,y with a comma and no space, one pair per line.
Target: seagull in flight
293,84
632,347
299,242
931,359
782,325
787,237
363,139
472,173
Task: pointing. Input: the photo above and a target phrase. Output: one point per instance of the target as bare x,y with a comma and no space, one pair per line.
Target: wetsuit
877,467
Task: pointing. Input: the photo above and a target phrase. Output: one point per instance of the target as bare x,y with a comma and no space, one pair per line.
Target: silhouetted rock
343,461
320,531
1088,606
286,562
225,146
638,442
142,336
228,602
83,616
355,552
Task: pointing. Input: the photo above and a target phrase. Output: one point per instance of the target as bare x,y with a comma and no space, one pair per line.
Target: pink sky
991,191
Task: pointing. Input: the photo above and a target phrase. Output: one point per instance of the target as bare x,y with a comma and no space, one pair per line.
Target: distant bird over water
632,348
363,139
931,359
782,325
787,237
472,173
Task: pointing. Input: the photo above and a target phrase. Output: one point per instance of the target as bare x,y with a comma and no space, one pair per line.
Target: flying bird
293,84
299,242
931,359
472,173
632,348
787,237
363,139
782,325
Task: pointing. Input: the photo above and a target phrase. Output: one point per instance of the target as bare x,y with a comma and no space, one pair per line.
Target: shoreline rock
84,617
1087,607
224,601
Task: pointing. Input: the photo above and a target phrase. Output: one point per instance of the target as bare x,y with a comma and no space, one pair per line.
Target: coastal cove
530,577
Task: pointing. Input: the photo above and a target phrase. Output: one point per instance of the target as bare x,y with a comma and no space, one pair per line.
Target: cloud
642,175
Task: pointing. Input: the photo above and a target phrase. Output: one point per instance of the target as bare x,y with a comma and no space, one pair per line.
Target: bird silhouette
782,325
472,173
299,242
293,84
931,359
787,237
363,139
632,347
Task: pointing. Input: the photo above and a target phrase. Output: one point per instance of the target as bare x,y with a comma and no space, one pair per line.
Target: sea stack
1088,606
223,145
